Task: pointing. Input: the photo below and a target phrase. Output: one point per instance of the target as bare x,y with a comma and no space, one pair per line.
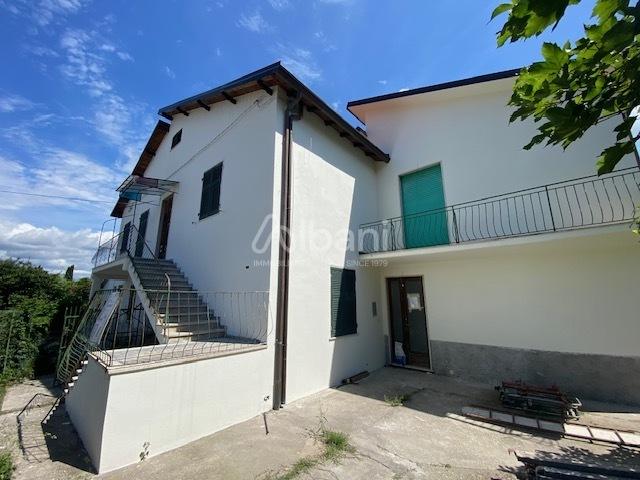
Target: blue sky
82,82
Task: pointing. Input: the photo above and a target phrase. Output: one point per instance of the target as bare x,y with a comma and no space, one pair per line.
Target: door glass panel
416,316
395,297
142,231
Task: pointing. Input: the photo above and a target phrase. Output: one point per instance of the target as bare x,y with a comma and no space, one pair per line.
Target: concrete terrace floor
425,438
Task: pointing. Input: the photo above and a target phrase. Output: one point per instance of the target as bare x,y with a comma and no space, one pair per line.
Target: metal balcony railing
127,242
568,205
118,332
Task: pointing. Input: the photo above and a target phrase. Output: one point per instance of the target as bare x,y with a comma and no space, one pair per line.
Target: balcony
568,205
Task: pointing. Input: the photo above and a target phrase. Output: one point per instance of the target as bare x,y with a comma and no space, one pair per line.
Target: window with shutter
176,139
124,238
343,302
210,199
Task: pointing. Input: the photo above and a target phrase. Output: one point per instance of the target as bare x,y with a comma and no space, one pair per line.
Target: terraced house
267,250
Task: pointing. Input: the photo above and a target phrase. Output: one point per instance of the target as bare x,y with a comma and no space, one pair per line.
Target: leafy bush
32,306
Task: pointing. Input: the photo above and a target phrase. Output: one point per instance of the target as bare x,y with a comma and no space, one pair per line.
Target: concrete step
179,313
195,336
193,317
152,261
160,275
179,297
158,270
161,279
188,329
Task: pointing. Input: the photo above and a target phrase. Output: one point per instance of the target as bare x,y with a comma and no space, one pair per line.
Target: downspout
293,112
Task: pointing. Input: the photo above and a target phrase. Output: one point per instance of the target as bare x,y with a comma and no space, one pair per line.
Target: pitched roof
434,88
265,79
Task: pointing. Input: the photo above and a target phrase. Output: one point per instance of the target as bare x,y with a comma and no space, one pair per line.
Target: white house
268,249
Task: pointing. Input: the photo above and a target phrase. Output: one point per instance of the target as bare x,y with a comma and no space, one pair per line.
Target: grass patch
302,466
395,400
335,445
399,399
6,466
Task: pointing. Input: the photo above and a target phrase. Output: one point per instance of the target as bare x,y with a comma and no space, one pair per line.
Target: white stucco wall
215,252
167,406
467,131
333,190
86,405
576,294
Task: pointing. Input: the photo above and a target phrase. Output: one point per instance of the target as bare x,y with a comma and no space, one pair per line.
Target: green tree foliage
578,85
32,306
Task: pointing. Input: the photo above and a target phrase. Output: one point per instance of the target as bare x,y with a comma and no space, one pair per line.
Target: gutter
292,113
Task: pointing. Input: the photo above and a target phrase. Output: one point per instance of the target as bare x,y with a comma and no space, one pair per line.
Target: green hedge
32,306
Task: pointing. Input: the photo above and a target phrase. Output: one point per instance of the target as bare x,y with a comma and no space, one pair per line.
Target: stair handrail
166,311
126,242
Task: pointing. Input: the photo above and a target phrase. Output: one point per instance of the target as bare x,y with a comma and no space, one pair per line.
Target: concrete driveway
425,438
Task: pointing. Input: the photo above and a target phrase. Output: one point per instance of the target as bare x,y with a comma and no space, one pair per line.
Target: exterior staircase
180,311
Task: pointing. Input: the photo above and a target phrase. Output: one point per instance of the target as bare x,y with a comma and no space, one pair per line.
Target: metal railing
186,324
128,242
86,333
568,205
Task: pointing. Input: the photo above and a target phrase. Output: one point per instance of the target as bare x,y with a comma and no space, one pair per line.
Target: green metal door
424,218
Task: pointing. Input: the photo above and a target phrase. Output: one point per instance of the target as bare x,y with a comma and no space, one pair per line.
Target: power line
62,197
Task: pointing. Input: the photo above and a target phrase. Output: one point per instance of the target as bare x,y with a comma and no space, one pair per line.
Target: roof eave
433,88
266,78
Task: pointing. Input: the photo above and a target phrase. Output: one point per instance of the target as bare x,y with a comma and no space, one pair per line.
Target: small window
210,200
176,139
124,239
343,302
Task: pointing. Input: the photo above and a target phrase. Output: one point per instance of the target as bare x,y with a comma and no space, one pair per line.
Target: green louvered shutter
210,199
343,302
425,221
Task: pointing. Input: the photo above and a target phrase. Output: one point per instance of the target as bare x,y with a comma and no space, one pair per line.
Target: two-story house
267,249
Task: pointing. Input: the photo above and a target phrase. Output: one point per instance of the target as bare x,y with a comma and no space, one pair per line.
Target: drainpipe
292,113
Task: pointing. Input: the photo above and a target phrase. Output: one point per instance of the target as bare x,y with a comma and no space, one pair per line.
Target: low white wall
162,408
571,295
86,405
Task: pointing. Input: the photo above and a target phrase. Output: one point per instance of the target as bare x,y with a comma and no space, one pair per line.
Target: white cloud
13,103
170,73
58,172
405,89
124,56
323,40
218,52
279,4
122,123
382,82
255,22
300,61
43,12
84,66
52,248
41,51
335,105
